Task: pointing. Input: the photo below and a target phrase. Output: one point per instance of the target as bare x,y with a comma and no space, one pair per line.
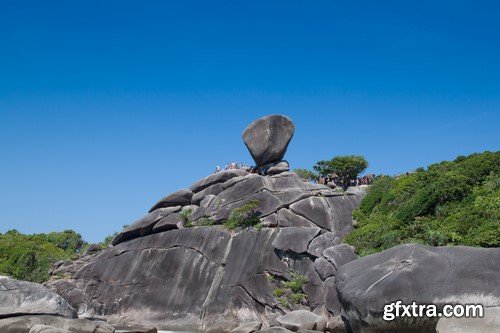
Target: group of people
234,166
365,180
335,180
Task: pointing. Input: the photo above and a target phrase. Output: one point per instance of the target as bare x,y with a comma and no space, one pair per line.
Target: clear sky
107,106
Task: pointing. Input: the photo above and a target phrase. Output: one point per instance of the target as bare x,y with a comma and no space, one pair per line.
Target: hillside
449,203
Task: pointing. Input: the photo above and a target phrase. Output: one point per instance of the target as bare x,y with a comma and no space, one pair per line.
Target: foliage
186,217
283,301
449,203
306,175
297,298
244,216
292,291
346,168
206,221
296,283
279,292
30,257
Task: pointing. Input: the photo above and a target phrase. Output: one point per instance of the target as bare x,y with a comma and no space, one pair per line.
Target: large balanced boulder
416,273
267,138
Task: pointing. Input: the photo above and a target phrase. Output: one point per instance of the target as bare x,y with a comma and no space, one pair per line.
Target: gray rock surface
267,138
324,268
40,328
219,177
24,324
278,167
248,327
23,298
339,255
179,198
145,225
490,323
416,273
275,330
321,243
295,239
335,325
302,320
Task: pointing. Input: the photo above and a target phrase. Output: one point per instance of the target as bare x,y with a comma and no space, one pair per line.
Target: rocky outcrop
416,273
180,267
165,273
52,324
19,298
30,307
284,200
302,320
267,138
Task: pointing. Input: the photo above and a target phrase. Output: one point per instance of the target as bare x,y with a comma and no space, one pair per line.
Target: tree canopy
30,257
344,168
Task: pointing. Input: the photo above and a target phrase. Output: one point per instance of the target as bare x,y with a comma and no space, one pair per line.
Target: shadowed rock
267,138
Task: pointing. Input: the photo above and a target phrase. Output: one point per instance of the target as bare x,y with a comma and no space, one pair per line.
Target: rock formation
30,307
267,140
421,274
179,266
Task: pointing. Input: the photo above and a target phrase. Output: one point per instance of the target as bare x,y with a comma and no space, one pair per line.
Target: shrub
244,216
186,217
279,292
296,283
298,298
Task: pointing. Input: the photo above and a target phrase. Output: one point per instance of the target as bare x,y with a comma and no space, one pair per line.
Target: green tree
30,257
345,168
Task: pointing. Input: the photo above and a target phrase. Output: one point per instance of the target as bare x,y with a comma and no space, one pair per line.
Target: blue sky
106,106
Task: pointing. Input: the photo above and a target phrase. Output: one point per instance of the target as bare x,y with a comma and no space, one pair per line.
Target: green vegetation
283,301
244,216
450,203
279,292
346,168
298,298
186,217
206,221
30,257
296,283
290,292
